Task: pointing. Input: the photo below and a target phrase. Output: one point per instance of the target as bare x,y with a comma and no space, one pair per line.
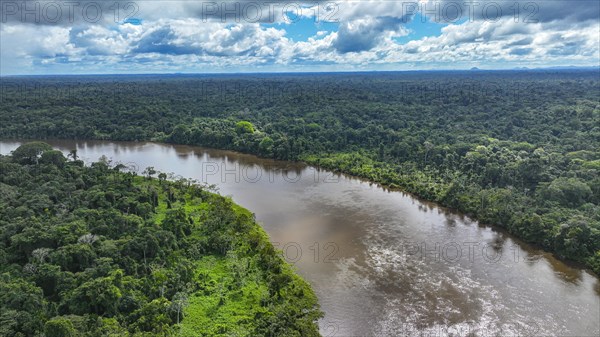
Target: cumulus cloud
525,11
98,40
40,42
164,40
364,34
187,35
493,41
67,13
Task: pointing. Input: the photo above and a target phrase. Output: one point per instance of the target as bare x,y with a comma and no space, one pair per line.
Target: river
382,262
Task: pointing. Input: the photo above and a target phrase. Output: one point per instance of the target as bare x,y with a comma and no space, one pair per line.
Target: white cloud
176,38
498,41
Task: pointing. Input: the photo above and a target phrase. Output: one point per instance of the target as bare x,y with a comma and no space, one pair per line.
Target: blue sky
54,37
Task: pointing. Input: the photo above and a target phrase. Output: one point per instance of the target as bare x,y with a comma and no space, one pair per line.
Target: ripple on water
432,299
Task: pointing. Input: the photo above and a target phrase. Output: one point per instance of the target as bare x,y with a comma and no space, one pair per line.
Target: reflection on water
382,262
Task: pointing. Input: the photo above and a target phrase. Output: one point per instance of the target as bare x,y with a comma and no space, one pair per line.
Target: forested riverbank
99,250
514,149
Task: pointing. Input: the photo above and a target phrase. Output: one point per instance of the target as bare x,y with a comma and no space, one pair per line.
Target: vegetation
519,149
101,251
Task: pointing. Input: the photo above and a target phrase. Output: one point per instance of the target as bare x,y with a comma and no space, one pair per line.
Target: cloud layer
184,36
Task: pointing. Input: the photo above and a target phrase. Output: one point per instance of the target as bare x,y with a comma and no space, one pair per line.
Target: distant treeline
519,149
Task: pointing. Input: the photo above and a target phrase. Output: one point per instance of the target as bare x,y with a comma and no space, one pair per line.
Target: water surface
384,263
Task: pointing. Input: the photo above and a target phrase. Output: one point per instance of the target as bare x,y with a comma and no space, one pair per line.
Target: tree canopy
518,149
95,251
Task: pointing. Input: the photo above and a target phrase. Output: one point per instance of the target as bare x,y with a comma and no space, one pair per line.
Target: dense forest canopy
101,251
519,149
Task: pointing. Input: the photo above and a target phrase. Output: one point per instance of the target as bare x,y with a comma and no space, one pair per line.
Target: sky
109,37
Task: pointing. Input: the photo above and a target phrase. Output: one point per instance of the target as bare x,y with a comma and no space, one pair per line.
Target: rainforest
99,250
516,149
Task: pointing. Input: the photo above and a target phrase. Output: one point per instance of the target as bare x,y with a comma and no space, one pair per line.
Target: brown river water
381,262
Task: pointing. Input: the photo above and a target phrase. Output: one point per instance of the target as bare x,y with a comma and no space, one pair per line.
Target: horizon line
473,69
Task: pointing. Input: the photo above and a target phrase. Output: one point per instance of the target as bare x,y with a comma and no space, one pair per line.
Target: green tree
30,153
53,157
573,239
180,134
177,222
243,127
99,296
59,327
567,191
266,146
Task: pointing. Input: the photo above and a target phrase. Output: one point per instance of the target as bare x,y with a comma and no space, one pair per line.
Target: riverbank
245,287
562,231
355,243
146,255
527,163
503,208
529,229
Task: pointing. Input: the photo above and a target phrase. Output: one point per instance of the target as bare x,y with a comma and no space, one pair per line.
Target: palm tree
73,154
